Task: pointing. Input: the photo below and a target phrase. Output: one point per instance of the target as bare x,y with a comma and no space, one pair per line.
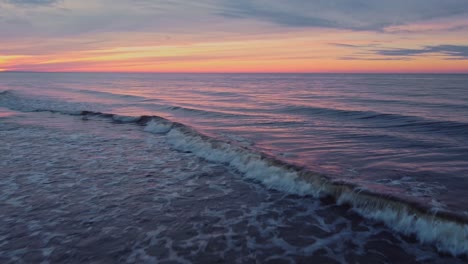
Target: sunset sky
234,35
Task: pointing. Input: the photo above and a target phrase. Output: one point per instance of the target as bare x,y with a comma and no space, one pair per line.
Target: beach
79,190
101,176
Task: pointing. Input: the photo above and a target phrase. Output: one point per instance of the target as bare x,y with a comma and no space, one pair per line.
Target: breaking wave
445,230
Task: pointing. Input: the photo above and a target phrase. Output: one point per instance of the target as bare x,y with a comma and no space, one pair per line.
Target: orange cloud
306,50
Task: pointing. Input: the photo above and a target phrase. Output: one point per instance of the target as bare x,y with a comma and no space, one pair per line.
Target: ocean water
331,167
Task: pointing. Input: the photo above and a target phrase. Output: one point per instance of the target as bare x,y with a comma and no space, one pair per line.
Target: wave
205,112
408,101
386,119
446,230
17,101
110,94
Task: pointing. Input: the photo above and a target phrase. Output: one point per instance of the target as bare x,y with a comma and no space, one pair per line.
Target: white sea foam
252,165
448,236
156,127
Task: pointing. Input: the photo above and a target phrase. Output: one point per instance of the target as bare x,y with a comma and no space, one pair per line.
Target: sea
233,168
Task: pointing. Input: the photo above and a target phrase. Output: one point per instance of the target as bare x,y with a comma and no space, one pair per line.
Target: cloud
451,51
71,17
32,2
374,15
366,46
344,45
351,58
375,52
275,14
50,26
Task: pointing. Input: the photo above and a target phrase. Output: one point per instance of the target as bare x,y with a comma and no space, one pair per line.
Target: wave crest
445,230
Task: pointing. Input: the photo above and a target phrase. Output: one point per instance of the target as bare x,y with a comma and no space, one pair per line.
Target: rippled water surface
401,135
91,191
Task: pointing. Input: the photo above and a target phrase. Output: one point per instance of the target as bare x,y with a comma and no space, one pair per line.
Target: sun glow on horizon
217,43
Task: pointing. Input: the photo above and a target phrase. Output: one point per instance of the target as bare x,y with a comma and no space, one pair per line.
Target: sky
409,36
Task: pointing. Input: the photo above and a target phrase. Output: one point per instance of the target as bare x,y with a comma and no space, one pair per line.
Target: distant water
401,136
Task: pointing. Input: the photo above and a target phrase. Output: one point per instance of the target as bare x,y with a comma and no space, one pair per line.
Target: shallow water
90,190
402,133
398,137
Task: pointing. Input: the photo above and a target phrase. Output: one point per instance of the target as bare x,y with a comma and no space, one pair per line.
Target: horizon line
162,72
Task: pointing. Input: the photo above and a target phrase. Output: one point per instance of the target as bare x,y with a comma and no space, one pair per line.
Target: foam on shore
446,230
